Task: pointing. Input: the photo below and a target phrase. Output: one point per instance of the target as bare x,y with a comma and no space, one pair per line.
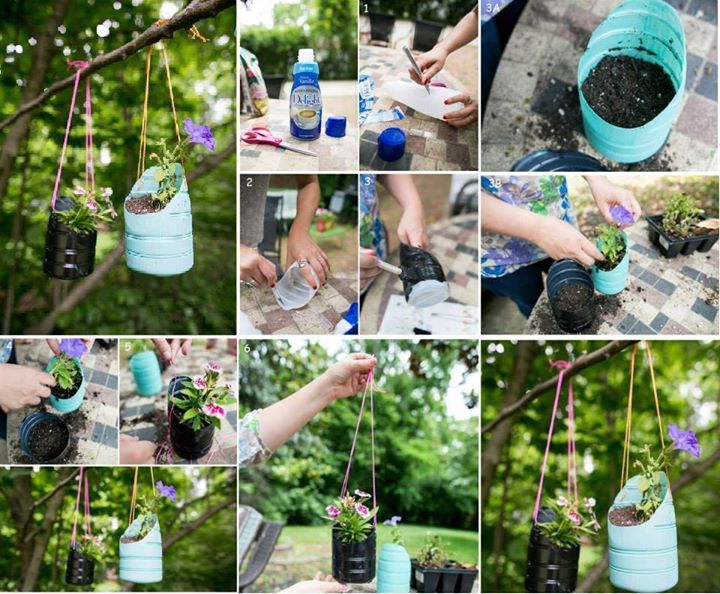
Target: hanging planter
80,570
145,369
195,409
353,562
571,293
72,227
44,438
158,219
554,544
642,534
423,278
393,569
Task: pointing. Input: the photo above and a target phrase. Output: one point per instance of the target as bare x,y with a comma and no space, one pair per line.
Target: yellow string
132,498
152,477
195,34
657,406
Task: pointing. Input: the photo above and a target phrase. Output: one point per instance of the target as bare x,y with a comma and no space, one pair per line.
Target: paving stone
705,310
707,86
694,69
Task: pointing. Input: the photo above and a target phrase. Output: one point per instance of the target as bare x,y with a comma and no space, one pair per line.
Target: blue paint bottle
305,98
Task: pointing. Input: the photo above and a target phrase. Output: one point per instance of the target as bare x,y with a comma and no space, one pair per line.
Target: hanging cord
79,66
369,387
77,509
88,519
572,474
133,496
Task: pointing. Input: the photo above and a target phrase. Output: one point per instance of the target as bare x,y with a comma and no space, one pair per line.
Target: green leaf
643,484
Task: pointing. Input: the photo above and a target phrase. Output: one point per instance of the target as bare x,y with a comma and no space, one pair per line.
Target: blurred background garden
513,446
38,38
426,448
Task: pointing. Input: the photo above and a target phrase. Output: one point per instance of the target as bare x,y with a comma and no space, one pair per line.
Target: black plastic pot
671,247
186,442
550,568
68,255
80,570
27,426
353,563
444,579
568,272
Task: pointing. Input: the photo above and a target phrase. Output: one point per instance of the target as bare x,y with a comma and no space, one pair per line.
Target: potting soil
606,307
573,297
606,265
626,91
624,516
47,440
64,393
141,205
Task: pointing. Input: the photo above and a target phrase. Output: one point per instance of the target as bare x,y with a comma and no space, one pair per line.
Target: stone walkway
146,417
93,426
534,100
676,296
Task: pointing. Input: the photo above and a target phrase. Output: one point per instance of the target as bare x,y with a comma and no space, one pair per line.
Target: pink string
89,148
572,458
88,522
562,365
79,65
77,508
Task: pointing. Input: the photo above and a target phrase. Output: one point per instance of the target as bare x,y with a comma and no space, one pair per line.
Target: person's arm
300,245
556,238
607,194
280,421
412,229
22,386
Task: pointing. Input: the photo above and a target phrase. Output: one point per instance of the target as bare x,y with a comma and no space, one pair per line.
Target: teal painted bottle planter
644,558
649,30
612,282
393,569
146,373
141,562
160,243
66,405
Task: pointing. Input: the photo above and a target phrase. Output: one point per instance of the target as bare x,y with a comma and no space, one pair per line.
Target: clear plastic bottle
306,98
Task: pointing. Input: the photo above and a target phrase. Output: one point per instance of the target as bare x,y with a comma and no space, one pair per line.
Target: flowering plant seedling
650,467
87,212
351,517
148,507
91,547
433,553
611,244
395,531
64,369
681,216
169,172
203,397
569,523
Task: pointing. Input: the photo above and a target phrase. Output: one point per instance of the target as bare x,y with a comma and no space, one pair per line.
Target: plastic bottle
305,98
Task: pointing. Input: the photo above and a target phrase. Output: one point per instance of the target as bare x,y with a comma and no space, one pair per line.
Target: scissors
261,135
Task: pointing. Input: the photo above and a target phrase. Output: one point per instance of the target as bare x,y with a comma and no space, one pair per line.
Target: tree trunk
493,449
19,128
499,540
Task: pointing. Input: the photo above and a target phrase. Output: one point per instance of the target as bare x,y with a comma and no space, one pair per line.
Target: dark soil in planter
606,265
628,92
130,539
606,307
64,393
573,297
76,422
142,205
47,440
624,516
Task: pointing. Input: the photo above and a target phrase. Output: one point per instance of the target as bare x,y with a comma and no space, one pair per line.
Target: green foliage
351,518
202,399
433,553
448,12
680,216
86,212
612,243
168,175
140,345
64,369
569,523
91,547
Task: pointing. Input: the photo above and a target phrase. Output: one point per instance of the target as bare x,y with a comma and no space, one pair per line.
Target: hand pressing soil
627,92
624,516
141,205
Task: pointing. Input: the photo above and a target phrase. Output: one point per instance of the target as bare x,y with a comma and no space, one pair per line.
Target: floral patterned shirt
545,195
372,233
251,448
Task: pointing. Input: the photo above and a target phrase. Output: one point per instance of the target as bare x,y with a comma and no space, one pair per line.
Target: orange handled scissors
261,135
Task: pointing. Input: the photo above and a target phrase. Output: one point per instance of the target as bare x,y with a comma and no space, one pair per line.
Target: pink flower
213,410
590,503
212,367
332,511
574,517
199,382
91,205
361,509
229,387
561,501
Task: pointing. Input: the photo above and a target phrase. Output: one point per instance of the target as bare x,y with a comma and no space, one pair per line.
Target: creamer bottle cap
306,56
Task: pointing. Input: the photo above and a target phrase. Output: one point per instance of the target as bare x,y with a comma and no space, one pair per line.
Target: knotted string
572,465
79,66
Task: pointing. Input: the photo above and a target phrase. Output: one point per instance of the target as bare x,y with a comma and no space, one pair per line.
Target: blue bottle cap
335,126
391,144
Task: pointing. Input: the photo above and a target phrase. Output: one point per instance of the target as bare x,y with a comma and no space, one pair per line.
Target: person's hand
466,115
368,267
559,240
255,268
134,451
54,344
302,247
320,585
22,386
608,194
412,230
430,63
349,376
169,348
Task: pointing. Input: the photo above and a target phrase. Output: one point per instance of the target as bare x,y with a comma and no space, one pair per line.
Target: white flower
590,502
107,192
561,501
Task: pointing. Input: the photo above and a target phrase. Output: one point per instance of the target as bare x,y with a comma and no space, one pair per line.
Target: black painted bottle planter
186,442
550,568
568,272
80,570
353,563
442,579
68,255
422,269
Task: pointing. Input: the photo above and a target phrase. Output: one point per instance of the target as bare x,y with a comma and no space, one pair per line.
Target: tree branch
583,362
194,525
59,486
183,19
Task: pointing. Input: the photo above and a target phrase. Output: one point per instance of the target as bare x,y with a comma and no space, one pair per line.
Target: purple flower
73,347
361,509
166,490
332,511
574,517
199,134
622,216
684,440
392,521
91,205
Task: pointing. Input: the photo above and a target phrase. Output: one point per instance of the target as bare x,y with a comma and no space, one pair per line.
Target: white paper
443,318
416,97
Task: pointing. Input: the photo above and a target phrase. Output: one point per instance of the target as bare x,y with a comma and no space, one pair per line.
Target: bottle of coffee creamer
305,98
